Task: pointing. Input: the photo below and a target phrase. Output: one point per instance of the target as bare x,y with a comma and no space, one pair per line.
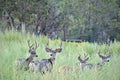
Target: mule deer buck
24,63
45,65
104,58
83,62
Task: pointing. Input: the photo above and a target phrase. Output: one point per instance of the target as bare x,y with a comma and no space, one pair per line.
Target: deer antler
108,52
86,58
101,56
85,55
61,44
81,60
59,49
30,46
36,45
47,48
104,57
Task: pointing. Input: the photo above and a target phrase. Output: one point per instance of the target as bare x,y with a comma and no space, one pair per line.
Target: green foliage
14,46
84,19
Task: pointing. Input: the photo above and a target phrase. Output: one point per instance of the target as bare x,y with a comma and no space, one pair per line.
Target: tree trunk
23,25
64,35
11,22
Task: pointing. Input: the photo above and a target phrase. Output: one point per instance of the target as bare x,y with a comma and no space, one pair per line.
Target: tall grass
13,45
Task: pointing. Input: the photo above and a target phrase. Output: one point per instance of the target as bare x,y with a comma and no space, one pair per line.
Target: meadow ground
13,45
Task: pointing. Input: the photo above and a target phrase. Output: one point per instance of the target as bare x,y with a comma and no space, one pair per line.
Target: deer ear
48,49
78,57
58,50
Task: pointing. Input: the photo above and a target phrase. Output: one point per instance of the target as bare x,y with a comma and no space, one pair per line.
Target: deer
45,65
104,58
83,62
23,63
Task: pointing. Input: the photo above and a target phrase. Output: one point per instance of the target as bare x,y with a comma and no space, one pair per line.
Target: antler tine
28,41
85,55
47,48
47,44
81,60
36,45
108,50
59,49
107,55
61,44
85,60
101,56
98,51
29,44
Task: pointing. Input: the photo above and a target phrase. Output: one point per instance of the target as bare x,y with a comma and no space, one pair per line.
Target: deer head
32,50
83,61
51,51
24,62
105,58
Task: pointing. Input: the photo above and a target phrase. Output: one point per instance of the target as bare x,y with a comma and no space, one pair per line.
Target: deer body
46,65
83,62
24,63
43,66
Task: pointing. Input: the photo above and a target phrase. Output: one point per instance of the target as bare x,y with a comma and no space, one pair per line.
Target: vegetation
13,45
96,21
87,20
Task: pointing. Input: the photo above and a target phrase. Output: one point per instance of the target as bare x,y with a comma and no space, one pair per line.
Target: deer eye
33,53
29,50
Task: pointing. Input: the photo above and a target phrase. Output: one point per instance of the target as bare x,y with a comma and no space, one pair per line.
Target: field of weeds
13,45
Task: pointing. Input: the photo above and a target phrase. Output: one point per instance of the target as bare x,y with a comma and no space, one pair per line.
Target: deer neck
29,59
103,62
82,64
51,60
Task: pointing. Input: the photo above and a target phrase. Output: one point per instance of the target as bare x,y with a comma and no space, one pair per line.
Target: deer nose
51,54
36,55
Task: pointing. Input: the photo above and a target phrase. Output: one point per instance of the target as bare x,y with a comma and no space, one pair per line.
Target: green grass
13,45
